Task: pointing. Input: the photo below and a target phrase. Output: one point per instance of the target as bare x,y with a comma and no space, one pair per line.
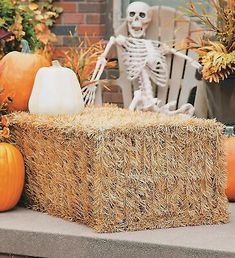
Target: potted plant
216,51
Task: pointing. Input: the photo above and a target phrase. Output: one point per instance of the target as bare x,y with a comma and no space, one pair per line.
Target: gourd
230,156
56,91
11,176
17,74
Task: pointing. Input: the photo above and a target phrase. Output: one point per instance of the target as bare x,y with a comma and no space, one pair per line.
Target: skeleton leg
168,109
170,106
147,92
187,109
136,100
143,98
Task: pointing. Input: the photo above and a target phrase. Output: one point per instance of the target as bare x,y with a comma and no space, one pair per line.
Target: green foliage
30,20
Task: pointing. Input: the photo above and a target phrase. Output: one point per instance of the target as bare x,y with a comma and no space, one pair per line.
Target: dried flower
217,56
82,58
5,133
4,122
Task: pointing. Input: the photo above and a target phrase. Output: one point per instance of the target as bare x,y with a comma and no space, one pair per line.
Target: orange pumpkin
230,155
11,176
17,74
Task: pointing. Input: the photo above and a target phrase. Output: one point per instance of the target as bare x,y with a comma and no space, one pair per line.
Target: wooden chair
168,26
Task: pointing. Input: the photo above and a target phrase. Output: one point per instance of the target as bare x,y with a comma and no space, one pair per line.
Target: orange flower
5,132
4,121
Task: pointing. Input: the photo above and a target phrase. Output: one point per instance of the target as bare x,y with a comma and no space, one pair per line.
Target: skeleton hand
88,93
195,64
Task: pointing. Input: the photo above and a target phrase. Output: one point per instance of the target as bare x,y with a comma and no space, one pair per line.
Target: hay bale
117,170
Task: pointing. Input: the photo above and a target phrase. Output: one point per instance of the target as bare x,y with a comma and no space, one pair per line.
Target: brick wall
87,17
82,17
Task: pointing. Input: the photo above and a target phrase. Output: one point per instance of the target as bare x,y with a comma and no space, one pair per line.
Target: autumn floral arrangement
216,49
30,20
4,123
82,58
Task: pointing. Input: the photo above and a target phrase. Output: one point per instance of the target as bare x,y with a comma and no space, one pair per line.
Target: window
172,3
119,7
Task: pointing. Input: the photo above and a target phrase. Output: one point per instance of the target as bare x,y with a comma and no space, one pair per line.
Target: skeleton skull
139,16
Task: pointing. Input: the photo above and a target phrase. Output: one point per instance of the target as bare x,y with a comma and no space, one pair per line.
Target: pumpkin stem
25,46
56,63
229,131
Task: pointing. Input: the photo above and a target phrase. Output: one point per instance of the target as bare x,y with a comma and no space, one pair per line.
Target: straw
116,170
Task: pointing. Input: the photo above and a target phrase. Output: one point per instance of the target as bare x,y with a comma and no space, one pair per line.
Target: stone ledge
29,233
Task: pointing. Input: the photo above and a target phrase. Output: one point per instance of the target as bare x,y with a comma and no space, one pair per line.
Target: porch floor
25,232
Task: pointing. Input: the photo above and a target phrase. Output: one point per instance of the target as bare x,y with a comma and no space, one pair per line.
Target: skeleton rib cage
139,54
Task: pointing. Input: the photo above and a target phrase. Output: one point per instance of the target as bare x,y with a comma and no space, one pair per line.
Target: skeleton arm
89,90
101,63
193,62
173,51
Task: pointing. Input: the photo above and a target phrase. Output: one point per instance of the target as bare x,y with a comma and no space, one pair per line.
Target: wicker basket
117,170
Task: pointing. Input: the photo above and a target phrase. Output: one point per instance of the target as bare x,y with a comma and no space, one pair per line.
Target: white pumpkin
56,91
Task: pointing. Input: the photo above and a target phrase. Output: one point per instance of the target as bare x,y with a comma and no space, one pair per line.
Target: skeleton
145,61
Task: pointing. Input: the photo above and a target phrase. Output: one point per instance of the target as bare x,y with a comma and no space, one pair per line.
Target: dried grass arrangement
82,59
116,170
217,53
4,123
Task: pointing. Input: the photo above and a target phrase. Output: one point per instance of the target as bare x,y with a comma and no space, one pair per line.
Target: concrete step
29,233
